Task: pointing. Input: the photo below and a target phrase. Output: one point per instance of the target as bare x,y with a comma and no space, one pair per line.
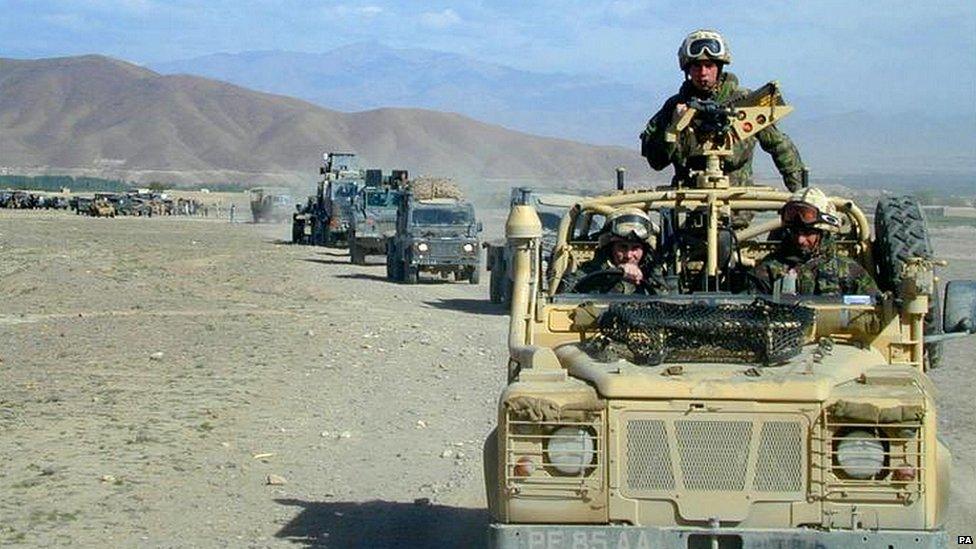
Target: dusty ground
155,372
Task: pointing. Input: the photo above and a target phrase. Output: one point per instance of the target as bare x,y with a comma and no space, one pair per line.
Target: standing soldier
807,262
233,209
702,57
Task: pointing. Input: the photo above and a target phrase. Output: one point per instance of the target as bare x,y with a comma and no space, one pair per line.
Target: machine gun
717,127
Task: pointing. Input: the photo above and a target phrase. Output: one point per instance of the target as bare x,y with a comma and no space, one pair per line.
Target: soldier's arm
654,147
785,155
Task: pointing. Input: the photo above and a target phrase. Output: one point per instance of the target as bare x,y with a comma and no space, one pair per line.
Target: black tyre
494,292
900,235
356,255
394,267
411,275
474,275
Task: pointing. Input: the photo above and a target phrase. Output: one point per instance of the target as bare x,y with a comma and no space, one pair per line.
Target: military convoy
436,232
709,417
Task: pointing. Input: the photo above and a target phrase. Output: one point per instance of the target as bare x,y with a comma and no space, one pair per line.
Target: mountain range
98,115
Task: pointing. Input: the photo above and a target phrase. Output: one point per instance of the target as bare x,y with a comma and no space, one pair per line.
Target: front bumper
609,537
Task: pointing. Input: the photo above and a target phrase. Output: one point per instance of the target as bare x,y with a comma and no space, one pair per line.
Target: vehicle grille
780,457
442,248
715,455
649,456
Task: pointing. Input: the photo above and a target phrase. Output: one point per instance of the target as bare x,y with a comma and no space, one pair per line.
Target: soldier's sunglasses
712,46
800,213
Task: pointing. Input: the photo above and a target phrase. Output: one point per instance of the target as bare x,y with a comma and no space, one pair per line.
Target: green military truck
374,214
270,204
326,216
434,235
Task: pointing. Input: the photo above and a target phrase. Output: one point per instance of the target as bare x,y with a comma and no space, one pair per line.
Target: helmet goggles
803,214
630,227
710,46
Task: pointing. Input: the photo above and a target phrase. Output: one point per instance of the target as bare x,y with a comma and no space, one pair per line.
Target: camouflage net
427,188
655,332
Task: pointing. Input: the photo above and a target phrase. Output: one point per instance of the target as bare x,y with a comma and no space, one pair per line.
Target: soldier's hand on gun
633,273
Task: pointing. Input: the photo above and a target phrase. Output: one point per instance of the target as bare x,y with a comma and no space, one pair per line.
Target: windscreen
550,221
345,191
441,216
380,199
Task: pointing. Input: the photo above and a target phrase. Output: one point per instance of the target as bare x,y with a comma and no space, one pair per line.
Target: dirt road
155,372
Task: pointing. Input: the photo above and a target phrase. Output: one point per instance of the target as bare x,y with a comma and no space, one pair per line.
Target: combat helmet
628,225
810,208
704,44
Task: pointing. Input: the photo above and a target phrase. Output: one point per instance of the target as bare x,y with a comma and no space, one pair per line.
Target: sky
902,55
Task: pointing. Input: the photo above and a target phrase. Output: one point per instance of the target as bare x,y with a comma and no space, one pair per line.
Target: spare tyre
900,234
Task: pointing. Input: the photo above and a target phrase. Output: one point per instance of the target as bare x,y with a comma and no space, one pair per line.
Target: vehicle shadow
326,261
363,276
378,524
467,305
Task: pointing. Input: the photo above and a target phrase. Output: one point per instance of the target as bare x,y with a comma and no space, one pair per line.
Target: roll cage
580,226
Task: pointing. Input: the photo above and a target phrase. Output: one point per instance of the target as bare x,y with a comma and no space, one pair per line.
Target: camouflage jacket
653,282
660,153
823,273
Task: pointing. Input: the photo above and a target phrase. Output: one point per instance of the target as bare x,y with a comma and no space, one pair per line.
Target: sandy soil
155,372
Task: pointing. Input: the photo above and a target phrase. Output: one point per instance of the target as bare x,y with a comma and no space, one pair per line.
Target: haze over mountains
94,112
841,141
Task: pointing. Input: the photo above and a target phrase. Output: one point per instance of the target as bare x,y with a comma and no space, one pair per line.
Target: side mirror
480,227
959,307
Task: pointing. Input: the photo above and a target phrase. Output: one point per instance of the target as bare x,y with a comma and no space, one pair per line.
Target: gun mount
715,128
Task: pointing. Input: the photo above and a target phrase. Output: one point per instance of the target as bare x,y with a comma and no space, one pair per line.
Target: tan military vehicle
708,417
103,205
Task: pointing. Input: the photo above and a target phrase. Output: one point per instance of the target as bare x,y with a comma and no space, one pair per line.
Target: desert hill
97,115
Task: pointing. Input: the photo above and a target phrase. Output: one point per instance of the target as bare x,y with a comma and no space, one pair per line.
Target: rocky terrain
174,382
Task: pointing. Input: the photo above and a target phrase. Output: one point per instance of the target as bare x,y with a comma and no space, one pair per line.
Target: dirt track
155,372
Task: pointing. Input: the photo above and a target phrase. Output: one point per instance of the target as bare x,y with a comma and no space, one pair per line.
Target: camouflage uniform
660,153
653,282
822,273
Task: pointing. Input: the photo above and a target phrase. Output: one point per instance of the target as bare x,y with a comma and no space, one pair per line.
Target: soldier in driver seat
623,262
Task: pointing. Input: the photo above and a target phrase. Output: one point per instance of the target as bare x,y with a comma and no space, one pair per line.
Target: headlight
570,450
468,247
422,247
860,454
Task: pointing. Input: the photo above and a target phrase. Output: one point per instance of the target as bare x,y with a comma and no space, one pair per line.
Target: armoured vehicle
711,418
498,256
325,218
436,235
374,215
270,204
80,204
103,205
